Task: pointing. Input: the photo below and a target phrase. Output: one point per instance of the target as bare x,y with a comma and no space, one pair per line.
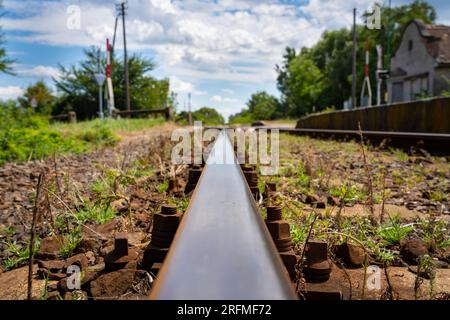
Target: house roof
398,72
437,40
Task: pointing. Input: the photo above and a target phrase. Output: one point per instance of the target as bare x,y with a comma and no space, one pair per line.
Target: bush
25,136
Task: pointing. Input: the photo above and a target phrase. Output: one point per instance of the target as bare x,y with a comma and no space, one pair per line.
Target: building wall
431,115
416,62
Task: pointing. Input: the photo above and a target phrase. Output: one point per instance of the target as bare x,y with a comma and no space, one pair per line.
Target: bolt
317,266
194,175
252,178
317,251
121,245
274,213
168,210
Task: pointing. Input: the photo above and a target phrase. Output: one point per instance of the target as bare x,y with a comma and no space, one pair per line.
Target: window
397,92
410,45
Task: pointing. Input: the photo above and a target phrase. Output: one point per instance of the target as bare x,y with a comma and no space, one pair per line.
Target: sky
221,51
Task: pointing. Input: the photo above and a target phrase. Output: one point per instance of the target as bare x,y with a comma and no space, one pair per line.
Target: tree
42,96
321,76
208,116
243,117
282,79
80,90
333,57
262,105
5,62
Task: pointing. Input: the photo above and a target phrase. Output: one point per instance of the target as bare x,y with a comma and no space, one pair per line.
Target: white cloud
10,92
208,38
40,72
201,45
228,91
220,99
184,87
216,99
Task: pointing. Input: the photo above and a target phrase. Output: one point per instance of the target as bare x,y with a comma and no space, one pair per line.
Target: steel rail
384,134
222,249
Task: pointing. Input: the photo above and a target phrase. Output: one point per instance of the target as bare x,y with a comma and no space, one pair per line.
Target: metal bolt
121,245
168,210
274,213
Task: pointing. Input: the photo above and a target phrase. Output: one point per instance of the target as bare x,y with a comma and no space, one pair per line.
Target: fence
431,115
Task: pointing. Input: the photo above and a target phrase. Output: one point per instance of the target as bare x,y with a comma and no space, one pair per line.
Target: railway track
222,250
434,142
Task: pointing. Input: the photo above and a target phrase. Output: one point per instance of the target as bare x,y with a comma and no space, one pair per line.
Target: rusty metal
279,229
121,255
193,177
434,142
317,266
222,250
165,225
274,213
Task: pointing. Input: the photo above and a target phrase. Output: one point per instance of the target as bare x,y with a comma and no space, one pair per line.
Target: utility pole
354,61
189,113
125,62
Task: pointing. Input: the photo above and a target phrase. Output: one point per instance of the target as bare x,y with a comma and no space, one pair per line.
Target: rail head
222,249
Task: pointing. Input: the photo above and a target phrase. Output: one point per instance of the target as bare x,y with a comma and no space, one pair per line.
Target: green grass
163,187
124,125
8,231
37,139
393,232
71,241
18,255
347,193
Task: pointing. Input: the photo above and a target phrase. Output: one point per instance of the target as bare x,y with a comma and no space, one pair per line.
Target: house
421,65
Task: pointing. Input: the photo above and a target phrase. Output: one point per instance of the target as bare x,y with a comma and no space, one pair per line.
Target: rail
222,249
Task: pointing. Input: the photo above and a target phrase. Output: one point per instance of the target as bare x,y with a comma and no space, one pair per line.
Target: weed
394,231
438,195
163,187
17,255
303,180
347,193
8,231
399,155
434,232
71,242
385,255
97,213
44,292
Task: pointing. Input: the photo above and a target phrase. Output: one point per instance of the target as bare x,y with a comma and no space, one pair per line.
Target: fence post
72,117
169,113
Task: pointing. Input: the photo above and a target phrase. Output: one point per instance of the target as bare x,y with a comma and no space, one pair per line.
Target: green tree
5,62
262,105
42,96
80,90
208,116
243,117
282,81
333,57
305,85
329,62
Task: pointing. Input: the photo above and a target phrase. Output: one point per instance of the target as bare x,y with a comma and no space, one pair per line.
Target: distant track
434,142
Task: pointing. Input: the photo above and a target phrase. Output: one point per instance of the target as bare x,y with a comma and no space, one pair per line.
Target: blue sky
220,50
